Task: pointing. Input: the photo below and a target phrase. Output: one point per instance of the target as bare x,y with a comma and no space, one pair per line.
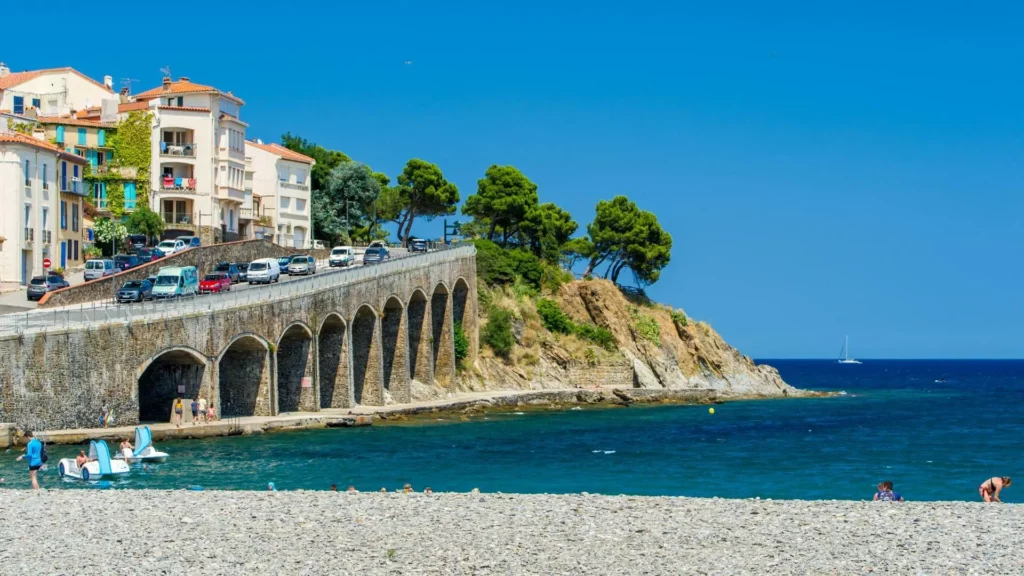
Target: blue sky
824,170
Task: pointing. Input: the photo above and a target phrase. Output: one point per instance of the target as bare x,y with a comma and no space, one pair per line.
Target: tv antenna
127,83
166,70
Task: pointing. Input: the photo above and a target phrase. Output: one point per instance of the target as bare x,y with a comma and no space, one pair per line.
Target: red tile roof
184,108
66,121
15,78
130,106
282,152
233,119
183,86
16,138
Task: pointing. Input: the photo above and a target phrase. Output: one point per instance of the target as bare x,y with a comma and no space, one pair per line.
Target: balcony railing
177,218
30,235
47,236
187,150
245,213
178,184
292,185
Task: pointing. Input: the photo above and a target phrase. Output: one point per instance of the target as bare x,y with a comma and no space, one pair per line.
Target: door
24,267
64,254
299,238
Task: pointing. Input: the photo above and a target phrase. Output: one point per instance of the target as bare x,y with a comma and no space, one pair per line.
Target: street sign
46,262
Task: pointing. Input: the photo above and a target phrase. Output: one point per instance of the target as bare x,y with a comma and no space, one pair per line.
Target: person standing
178,411
34,455
195,411
104,414
202,409
990,489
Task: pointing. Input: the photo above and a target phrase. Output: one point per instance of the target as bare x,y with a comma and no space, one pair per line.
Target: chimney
123,96
4,70
183,79
167,83
108,81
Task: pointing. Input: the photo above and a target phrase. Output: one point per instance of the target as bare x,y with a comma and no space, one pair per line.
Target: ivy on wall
131,145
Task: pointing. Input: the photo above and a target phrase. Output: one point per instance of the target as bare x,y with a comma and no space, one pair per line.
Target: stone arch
244,377
441,333
178,371
294,359
332,351
421,361
367,375
463,314
395,351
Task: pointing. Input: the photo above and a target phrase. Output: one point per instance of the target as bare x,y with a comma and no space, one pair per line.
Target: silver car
302,265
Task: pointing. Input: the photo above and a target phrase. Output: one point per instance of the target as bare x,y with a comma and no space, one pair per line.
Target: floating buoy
711,410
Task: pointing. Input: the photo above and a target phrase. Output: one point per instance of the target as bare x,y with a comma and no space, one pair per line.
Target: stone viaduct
358,341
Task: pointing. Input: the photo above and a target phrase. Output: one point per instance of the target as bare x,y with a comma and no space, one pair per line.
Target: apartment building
281,187
36,182
198,170
51,92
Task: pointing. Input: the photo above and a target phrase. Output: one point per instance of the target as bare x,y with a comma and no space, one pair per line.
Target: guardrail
99,313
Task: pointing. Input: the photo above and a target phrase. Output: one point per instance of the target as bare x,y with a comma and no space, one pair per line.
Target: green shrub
553,277
646,327
522,290
485,298
497,265
679,317
461,344
552,317
498,332
601,336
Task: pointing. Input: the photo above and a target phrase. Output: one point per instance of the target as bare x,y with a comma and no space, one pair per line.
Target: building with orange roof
52,92
281,193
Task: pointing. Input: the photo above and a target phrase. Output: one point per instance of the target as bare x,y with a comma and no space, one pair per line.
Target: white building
52,92
198,167
281,187
33,174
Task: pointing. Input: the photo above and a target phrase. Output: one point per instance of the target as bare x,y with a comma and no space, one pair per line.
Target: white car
169,247
341,256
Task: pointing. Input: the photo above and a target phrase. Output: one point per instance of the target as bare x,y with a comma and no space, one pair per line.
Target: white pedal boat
99,465
144,449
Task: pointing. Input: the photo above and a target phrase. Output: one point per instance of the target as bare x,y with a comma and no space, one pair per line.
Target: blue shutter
19,104
81,136
60,134
63,175
129,195
36,104
101,137
90,155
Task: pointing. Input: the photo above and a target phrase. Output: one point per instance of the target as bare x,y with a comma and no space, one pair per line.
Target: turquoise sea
937,429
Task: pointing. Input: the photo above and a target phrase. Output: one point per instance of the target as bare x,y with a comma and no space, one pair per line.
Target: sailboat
844,354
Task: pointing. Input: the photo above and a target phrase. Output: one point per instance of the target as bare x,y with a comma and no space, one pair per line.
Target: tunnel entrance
172,374
366,361
395,350
243,375
441,330
420,358
294,377
331,343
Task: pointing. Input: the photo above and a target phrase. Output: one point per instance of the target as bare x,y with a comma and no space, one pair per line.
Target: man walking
34,454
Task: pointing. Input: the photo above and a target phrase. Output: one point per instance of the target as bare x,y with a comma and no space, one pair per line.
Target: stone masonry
246,360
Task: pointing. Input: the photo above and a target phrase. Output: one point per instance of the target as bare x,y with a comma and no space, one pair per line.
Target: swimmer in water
990,489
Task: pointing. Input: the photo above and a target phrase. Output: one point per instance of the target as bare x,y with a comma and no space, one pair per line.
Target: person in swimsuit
127,449
195,411
81,459
211,413
990,489
178,411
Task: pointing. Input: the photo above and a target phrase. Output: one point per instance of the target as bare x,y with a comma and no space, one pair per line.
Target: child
211,413
885,493
178,412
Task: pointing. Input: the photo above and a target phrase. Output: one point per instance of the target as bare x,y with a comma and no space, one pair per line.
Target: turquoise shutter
129,195
101,137
60,134
81,136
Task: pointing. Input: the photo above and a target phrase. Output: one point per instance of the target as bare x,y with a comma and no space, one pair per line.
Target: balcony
176,218
47,237
293,185
245,214
30,236
186,185
179,149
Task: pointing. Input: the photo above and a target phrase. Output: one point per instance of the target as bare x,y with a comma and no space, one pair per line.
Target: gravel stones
180,532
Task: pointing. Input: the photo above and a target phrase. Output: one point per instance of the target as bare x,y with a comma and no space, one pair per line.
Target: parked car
318,245
152,280
284,263
376,255
264,271
190,241
135,291
40,285
340,256
126,261
98,268
304,265
175,281
169,247
135,242
216,282
149,254
417,245
243,271
230,269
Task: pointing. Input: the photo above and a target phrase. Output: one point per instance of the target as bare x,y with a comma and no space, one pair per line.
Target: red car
217,282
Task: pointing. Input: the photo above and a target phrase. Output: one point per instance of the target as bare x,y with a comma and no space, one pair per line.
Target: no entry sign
46,262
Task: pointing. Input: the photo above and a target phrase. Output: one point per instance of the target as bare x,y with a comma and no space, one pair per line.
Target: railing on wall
99,313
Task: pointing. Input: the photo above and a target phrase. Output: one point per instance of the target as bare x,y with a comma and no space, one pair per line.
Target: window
60,134
283,175
285,202
300,205
129,195
28,215
99,156
51,107
46,212
74,179
101,138
63,215
19,104
81,136
36,103
28,173
300,177
74,222
46,185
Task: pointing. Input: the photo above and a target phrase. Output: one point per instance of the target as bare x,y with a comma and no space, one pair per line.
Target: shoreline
462,405
317,532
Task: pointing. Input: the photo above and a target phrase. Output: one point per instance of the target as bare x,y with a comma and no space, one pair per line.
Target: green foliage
552,317
115,197
552,277
496,265
132,148
461,344
599,335
678,317
575,251
498,333
623,236
546,228
108,230
645,327
486,299
422,191
92,252
349,194
145,221
326,160
522,289
504,196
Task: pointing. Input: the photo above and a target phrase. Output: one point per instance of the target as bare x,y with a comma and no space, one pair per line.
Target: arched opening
174,373
395,351
420,337
294,370
366,358
441,330
460,303
243,377
333,373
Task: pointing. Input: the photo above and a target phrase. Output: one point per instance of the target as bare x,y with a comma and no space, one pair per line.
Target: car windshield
38,281
166,280
166,244
339,251
94,265
242,266
257,266
221,268
372,252
133,284
213,277
299,260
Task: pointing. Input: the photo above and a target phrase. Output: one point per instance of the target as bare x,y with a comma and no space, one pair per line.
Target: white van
341,256
175,281
98,268
264,271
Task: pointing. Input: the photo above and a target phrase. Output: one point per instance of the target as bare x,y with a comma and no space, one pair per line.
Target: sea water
937,429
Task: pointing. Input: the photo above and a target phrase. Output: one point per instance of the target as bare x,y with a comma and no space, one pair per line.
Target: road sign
46,262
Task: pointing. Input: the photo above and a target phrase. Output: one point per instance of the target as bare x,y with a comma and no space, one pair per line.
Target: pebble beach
303,532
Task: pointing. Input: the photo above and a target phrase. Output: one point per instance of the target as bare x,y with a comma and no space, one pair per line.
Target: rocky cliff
655,347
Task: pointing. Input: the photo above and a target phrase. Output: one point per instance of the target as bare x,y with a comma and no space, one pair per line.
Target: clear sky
824,170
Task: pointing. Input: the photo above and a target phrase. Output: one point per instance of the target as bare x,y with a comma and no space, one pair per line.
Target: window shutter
101,137
60,134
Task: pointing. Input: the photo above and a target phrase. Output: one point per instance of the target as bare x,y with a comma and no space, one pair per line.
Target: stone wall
204,258
246,360
583,375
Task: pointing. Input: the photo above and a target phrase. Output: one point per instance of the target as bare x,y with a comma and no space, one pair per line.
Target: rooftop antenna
166,70
127,83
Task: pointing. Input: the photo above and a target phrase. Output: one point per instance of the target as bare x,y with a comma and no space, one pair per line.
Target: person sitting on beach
990,489
428,490
886,494
81,459
407,488
383,490
271,487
